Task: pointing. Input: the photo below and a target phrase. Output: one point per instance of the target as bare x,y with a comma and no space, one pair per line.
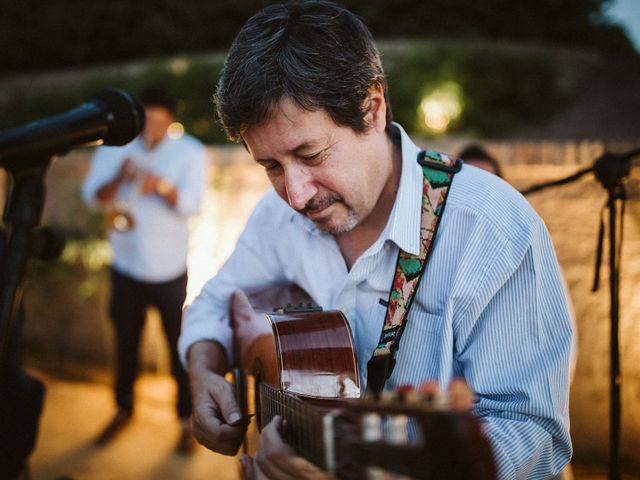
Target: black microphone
112,117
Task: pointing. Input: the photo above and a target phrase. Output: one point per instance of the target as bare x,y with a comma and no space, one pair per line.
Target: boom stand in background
611,170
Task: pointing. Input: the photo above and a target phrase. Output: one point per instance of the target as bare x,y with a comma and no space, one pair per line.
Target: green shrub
192,79
499,88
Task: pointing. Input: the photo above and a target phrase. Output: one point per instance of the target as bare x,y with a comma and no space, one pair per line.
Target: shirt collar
403,226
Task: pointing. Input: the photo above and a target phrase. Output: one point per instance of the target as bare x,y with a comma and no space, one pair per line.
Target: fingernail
234,418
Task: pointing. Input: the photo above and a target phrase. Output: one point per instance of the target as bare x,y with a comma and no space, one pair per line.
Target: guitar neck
305,424
364,439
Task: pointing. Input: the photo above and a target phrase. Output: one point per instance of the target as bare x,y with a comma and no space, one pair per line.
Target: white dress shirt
492,306
155,250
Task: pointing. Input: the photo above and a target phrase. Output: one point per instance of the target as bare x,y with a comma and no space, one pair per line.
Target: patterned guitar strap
438,170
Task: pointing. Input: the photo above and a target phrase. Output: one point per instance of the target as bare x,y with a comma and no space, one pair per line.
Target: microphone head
125,113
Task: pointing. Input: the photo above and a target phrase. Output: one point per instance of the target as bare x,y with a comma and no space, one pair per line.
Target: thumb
231,412
241,306
224,397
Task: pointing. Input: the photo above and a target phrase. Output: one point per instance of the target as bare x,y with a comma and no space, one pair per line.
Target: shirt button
387,247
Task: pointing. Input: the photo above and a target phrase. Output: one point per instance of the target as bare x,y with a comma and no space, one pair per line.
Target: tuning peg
387,397
407,394
396,431
403,391
371,427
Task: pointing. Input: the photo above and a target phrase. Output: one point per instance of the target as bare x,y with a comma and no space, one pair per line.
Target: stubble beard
327,225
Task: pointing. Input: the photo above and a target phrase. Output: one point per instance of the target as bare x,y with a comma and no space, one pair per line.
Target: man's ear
375,108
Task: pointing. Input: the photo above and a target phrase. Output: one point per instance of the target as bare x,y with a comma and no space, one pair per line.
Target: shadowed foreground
75,412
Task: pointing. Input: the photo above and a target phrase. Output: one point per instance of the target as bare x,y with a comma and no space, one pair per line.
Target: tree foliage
37,35
499,87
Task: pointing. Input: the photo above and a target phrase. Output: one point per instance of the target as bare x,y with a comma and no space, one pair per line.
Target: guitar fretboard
304,430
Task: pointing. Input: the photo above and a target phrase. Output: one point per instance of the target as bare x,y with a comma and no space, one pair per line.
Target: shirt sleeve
105,164
255,262
192,183
514,347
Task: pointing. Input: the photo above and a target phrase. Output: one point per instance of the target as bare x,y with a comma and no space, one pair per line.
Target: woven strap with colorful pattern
438,170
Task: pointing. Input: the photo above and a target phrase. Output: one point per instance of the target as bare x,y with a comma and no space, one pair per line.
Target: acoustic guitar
302,366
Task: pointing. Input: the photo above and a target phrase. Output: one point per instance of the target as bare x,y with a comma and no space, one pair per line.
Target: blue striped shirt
492,306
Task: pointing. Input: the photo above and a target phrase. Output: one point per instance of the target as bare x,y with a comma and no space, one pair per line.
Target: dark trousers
129,301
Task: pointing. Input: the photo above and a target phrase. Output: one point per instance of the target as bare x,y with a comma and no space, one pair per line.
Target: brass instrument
120,218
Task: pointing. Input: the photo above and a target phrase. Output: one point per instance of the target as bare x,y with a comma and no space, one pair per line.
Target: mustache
320,202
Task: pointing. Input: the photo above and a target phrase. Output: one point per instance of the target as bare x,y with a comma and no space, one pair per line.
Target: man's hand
126,173
217,420
248,325
154,185
276,460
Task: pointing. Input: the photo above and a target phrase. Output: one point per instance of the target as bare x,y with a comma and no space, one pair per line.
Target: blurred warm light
441,106
215,231
175,130
204,259
179,66
435,116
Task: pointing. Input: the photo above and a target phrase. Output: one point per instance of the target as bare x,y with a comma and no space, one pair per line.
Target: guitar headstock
409,435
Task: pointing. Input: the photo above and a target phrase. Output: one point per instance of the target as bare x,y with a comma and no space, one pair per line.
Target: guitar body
302,366
305,352
314,353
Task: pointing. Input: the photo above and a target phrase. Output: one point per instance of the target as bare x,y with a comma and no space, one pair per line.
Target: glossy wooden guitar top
304,350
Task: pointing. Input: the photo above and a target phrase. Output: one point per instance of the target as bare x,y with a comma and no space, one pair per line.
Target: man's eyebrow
318,144
296,150
304,146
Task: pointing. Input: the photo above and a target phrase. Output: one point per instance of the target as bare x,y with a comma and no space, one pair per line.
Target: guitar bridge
304,307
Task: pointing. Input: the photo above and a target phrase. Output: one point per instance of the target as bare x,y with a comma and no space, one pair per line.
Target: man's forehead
289,129
288,110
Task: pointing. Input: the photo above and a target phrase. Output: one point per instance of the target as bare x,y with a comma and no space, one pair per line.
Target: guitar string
301,417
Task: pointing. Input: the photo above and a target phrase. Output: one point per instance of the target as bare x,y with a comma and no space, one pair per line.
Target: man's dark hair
158,96
315,53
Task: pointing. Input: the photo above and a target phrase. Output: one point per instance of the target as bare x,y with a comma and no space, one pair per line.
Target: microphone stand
21,396
610,170
21,215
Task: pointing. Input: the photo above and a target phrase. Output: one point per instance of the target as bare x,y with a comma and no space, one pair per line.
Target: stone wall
67,317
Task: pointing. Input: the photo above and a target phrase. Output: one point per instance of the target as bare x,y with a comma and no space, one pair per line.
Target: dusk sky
627,12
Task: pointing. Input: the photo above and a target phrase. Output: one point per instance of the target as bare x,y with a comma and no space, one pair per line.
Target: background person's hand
149,184
127,171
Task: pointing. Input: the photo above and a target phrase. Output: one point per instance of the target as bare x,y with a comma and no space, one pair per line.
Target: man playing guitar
303,88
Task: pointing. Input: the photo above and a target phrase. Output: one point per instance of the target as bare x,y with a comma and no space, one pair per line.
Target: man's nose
300,187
